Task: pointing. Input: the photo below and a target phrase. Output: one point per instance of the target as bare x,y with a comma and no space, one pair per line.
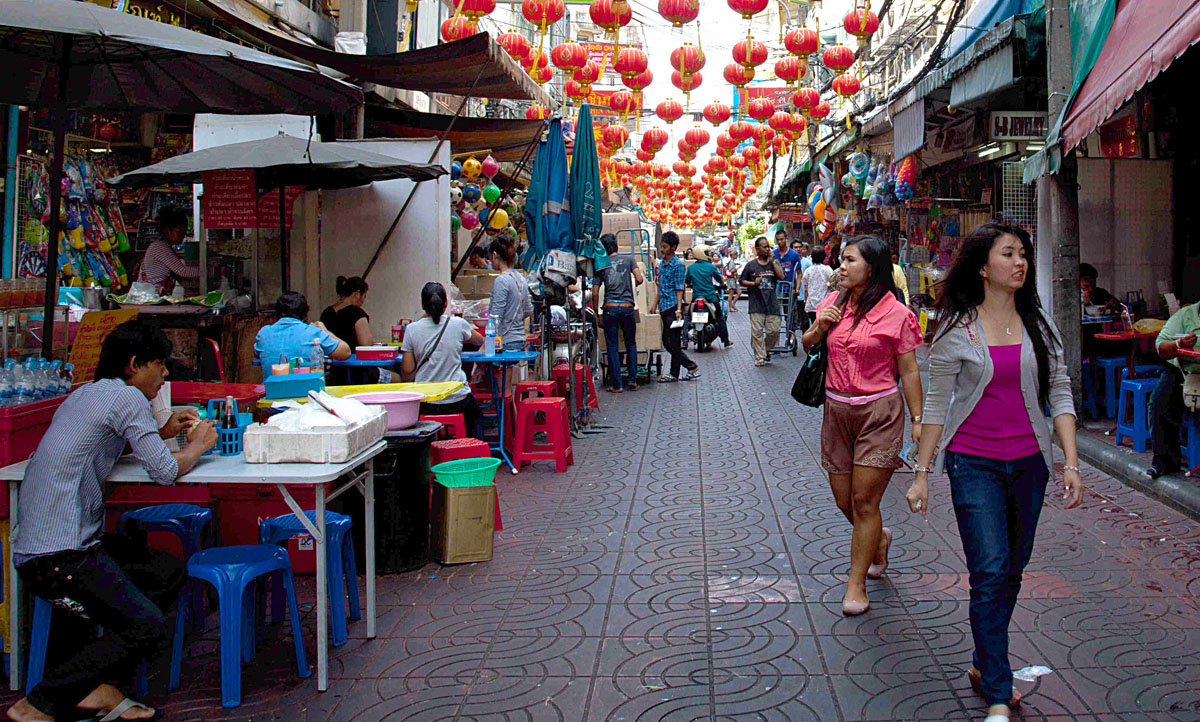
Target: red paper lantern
790,69
806,98
679,12
645,155
760,109
639,82
655,138
687,154
535,59
686,83
716,113
762,135
669,110
576,91
861,23
515,44
798,125
614,135
780,121
542,75
838,58
661,172
725,141
588,74
543,13
750,53
687,59
820,110
748,8
537,111
846,85
738,75
457,28
630,62
475,9
738,161
623,102
697,137
610,15
568,57
684,146
684,169
802,42
740,130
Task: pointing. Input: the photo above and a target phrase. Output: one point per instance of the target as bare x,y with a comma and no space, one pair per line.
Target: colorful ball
455,223
455,170
498,220
490,167
471,193
860,165
491,192
455,195
470,221
472,168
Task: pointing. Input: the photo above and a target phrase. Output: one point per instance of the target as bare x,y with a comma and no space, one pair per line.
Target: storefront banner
232,200
1017,125
781,96
599,100
602,54
959,136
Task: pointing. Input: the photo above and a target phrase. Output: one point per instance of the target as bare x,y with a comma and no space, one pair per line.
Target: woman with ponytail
996,363
432,351
347,320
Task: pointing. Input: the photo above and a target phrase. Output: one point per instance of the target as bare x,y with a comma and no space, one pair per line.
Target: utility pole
1058,200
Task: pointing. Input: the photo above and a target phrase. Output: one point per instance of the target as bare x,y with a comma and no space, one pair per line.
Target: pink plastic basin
403,407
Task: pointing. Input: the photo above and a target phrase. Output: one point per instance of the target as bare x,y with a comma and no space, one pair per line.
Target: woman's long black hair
961,292
878,257
433,300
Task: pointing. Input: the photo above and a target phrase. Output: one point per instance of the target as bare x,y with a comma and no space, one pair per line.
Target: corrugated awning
450,68
506,140
1146,36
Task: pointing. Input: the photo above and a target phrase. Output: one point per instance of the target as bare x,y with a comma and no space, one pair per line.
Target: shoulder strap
432,346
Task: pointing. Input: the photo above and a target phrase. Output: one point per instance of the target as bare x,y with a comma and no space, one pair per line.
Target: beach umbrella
585,193
547,222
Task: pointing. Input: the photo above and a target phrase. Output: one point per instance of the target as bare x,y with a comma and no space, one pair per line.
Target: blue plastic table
354,360
503,360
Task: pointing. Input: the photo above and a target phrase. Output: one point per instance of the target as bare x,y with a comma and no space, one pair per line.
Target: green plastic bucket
466,472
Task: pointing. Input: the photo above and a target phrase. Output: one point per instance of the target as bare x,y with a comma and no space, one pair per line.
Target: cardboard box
465,283
484,281
463,518
621,221
652,325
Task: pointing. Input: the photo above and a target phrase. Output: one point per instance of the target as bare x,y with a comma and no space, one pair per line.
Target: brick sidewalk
690,566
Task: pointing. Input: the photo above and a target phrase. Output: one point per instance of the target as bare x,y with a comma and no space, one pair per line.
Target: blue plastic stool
186,521
39,641
232,571
1191,438
341,570
1108,370
1137,392
1089,389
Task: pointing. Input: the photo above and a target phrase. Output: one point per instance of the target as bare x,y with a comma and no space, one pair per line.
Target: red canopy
1146,36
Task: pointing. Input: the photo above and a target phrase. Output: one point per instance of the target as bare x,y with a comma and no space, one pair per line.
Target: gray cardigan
960,368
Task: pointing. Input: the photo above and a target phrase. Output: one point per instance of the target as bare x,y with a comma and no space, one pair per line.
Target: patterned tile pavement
689,567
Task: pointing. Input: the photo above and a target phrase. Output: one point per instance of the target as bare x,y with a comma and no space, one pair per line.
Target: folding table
503,360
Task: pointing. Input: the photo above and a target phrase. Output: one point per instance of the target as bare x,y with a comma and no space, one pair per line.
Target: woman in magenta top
872,339
995,365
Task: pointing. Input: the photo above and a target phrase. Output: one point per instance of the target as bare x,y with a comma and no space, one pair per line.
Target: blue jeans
621,319
997,504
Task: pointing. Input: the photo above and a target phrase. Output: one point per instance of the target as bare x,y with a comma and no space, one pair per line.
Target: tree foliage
748,231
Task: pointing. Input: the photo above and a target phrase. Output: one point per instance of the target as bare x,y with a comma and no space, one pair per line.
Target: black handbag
809,386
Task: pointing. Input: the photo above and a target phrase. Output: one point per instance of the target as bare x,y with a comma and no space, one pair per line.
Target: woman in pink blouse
872,339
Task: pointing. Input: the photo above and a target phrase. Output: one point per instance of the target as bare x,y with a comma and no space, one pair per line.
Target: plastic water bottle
489,338
316,357
56,379
23,384
7,392
68,377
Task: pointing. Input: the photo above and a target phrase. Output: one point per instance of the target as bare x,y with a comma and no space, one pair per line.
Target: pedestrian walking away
706,281
816,283
996,363
620,314
733,286
871,339
671,276
759,278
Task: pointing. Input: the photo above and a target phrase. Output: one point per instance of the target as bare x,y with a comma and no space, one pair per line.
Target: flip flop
124,706
976,679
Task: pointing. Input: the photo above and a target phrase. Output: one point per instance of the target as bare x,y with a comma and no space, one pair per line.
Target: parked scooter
701,325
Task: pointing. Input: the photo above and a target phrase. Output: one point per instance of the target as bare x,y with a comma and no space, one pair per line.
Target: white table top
217,469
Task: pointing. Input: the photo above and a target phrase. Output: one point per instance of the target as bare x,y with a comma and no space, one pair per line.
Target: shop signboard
795,215
94,327
1017,125
232,199
599,100
780,95
602,54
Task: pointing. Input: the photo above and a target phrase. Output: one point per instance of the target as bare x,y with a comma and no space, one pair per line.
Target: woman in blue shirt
292,335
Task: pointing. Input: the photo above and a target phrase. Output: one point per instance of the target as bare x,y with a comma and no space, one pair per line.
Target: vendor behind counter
161,268
347,321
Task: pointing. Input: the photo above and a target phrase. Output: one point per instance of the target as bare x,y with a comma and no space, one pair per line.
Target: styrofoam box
267,445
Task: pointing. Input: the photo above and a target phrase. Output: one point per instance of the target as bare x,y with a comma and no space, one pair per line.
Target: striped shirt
671,273
160,263
61,501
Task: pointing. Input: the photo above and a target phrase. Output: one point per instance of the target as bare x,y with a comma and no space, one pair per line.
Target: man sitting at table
1166,403
104,580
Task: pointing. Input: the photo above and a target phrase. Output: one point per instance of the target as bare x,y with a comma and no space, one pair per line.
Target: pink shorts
871,434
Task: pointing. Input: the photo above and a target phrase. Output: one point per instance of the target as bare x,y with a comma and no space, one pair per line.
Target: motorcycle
701,325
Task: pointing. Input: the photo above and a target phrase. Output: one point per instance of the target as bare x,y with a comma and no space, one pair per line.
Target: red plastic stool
556,426
453,424
463,448
583,380
530,389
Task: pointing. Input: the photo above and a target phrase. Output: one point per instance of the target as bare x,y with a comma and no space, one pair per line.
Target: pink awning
1146,36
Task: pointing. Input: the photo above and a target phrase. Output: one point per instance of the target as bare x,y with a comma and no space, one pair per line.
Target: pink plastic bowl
403,407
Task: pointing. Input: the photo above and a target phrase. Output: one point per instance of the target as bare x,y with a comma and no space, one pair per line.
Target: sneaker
667,379
692,375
